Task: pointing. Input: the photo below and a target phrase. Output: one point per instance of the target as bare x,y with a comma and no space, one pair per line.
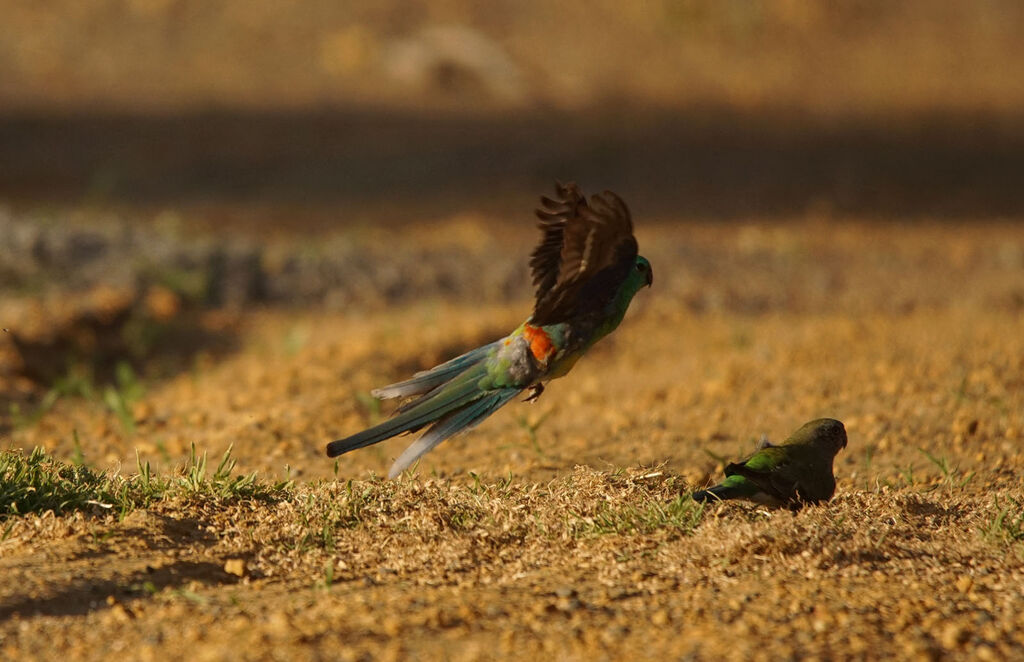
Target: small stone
566,592
392,627
162,303
568,604
141,411
964,584
236,567
277,624
119,613
660,618
952,636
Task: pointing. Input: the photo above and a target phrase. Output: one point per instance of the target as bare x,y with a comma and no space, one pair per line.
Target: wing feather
585,252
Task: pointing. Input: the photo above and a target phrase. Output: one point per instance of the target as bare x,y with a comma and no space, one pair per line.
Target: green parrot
799,470
585,270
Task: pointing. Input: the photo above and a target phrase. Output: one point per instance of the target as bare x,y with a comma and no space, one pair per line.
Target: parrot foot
535,392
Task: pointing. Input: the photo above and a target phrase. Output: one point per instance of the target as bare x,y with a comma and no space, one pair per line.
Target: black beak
650,276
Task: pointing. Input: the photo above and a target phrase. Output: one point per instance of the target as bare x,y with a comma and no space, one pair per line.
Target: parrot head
642,273
639,276
827,434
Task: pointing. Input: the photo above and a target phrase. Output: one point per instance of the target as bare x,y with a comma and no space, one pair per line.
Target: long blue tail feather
460,392
450,425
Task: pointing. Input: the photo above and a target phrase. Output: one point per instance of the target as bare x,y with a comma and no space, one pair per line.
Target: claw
535,392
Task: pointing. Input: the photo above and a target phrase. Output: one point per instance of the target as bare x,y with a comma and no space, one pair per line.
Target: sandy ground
528,535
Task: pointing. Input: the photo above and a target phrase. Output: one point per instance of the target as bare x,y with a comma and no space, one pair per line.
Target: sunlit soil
555,529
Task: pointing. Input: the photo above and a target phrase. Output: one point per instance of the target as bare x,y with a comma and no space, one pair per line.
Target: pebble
964,584
952,636
237,567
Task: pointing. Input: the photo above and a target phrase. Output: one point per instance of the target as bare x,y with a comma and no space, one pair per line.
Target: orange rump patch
540,343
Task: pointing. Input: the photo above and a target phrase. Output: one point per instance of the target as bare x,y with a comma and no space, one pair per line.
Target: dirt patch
428,568
555,529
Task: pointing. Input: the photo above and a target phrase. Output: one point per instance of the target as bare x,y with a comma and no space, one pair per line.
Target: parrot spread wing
581,267
586,251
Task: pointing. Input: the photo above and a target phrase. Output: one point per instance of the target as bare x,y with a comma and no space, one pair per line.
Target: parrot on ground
799,470
585,270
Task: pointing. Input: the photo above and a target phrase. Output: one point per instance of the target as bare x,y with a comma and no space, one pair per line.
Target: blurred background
722,109
168,165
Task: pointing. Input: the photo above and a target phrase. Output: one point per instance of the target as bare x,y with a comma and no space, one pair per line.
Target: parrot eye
640,266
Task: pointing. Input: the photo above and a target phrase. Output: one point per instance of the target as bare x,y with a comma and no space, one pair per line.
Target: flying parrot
799,470
585,270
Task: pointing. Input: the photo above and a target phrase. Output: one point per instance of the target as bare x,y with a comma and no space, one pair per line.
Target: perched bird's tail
733,487
452,399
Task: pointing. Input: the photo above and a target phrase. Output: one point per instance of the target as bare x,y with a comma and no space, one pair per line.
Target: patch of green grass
77,382
328,575
531,428
296,338
319,519
287,483
478,486
36,483
190,596
1008,523
951,476
908,475
26,419
77,456
462,516
123,394
221,483
682,514
869,456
